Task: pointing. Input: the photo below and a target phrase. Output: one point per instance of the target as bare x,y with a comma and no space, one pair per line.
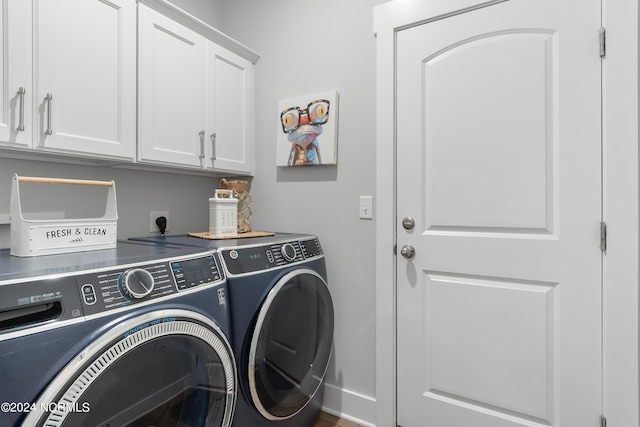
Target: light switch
366,207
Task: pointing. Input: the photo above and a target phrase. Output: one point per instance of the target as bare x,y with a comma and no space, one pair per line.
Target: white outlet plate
153,215
366,207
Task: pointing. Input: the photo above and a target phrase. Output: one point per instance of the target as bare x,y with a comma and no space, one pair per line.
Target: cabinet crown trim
201,28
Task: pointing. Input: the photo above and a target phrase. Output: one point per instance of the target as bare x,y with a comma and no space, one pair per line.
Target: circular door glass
291,345
161,370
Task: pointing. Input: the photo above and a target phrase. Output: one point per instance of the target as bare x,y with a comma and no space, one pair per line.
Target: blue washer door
162,368
291,344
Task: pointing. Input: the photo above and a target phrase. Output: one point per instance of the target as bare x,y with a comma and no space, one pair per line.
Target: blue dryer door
166,368
291,345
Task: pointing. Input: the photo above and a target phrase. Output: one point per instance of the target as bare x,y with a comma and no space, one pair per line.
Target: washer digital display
196,271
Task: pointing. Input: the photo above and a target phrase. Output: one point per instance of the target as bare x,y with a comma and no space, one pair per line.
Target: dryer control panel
107,290
250,259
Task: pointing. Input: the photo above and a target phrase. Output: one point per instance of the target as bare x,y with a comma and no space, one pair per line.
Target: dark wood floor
327,420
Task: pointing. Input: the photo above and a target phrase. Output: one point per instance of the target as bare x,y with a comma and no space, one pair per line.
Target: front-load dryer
282,325
132,336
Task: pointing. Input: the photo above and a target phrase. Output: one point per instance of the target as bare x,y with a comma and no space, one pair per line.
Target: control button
88,294
233,254
270,256
137,283
288,252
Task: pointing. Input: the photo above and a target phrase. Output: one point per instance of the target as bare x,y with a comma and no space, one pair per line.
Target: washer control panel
112,289
250,259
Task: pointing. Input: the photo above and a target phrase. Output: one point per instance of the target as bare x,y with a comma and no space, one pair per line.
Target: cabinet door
86,65
17,92
229,110
171,91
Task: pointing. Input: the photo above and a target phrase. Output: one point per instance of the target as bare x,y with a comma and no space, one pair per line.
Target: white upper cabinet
228,112
16,94
134,81
85,77
195,96
171,92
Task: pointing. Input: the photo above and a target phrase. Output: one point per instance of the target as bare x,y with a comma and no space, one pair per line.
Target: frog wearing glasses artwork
303,128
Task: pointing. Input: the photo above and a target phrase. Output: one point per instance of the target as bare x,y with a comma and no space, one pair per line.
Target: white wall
307,48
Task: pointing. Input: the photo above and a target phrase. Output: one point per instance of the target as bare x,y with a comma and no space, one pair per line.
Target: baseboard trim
349,405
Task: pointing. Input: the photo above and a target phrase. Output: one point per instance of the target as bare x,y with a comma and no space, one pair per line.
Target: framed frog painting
308,130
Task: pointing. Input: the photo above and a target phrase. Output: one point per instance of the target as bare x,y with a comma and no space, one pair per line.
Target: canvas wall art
308,130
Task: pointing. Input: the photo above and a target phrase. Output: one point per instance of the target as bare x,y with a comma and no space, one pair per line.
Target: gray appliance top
14,268
186,240
252,254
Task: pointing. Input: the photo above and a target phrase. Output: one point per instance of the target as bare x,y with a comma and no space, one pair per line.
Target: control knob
288,252
137,283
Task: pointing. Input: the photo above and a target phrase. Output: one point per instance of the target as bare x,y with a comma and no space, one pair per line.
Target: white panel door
17,92
499,165
86,76
171,91
229,110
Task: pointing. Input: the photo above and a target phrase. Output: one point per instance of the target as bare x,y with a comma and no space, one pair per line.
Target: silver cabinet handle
48,99
21,93
408,251
201,133
213,146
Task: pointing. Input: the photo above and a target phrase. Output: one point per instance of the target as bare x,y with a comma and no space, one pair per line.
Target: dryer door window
166,369
291,345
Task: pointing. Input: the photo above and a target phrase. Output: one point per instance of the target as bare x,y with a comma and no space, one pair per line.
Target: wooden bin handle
40,180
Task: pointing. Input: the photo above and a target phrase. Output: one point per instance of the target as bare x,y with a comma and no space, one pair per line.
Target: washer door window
291,345
166,368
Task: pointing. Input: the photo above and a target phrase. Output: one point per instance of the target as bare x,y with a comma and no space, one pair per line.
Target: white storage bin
223,214
33,237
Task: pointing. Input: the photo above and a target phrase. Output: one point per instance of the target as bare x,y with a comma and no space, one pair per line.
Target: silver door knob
407,251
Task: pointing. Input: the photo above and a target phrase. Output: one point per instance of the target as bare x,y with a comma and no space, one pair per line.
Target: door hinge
603,236
603,421
603,42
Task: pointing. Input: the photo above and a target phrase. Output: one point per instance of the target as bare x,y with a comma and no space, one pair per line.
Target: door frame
621,200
